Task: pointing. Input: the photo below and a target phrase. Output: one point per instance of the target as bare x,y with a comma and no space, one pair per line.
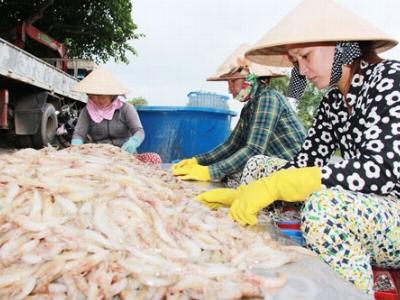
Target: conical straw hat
316,21
100,82
236,66
267,71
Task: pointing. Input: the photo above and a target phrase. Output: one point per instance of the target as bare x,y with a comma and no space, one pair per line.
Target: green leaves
307,105
97,30
138,101
280,84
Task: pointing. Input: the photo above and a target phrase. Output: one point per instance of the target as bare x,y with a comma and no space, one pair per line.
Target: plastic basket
207,99
392,291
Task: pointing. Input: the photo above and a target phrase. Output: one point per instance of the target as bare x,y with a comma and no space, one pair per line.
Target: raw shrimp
93,222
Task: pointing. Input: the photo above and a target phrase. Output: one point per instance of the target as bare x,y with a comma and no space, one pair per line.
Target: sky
186,41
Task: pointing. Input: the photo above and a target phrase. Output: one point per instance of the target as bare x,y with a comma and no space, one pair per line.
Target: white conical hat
316,21
100,82
236,66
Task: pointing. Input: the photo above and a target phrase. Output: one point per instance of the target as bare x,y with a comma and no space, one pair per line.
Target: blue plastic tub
177,132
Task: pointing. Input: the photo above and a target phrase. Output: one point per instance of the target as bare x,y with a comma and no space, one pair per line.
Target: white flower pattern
368,137
393,97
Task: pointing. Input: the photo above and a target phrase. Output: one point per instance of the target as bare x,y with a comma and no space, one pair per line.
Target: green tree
97,30
280,84
138,101
308,104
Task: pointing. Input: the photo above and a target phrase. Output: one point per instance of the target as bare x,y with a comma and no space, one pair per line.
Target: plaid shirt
267,125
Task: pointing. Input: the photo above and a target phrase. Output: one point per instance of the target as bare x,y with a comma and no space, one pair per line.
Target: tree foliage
280,84
97,30
307,106
138,101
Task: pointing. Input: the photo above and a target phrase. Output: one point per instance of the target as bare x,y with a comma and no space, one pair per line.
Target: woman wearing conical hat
351,211
107,118
267,124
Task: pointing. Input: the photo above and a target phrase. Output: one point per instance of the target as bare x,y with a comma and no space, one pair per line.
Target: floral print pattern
349,230
367,135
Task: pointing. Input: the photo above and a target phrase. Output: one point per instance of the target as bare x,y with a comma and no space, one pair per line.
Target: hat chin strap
297,84
345,54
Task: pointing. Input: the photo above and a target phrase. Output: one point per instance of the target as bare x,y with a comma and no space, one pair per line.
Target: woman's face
101,100
314,61
235,86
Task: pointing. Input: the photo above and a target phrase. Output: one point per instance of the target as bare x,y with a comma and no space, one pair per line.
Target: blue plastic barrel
177,132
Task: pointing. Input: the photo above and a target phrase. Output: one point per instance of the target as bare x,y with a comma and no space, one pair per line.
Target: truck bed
17,64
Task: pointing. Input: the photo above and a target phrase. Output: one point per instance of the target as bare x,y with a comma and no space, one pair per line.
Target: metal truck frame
36,99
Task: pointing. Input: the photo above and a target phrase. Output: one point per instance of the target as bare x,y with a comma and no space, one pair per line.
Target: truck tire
48,127
47,130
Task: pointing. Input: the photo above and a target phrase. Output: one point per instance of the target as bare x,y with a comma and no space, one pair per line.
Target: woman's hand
184,163
76,142
217,198
193,172
291,185
132,144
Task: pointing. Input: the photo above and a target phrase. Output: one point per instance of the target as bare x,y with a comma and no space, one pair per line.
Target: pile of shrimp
95,223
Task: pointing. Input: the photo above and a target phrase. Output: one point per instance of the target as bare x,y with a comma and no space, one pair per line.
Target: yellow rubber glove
185,162
218,197
291,185
193,172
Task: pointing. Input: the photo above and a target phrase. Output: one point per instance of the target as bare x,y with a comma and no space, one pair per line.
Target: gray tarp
310,279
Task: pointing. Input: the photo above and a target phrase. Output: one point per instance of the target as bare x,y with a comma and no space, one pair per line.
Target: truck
37,104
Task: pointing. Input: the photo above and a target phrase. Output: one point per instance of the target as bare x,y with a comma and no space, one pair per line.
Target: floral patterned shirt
368,137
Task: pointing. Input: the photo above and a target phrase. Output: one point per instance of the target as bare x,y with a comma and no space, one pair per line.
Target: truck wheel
48,127
46,133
